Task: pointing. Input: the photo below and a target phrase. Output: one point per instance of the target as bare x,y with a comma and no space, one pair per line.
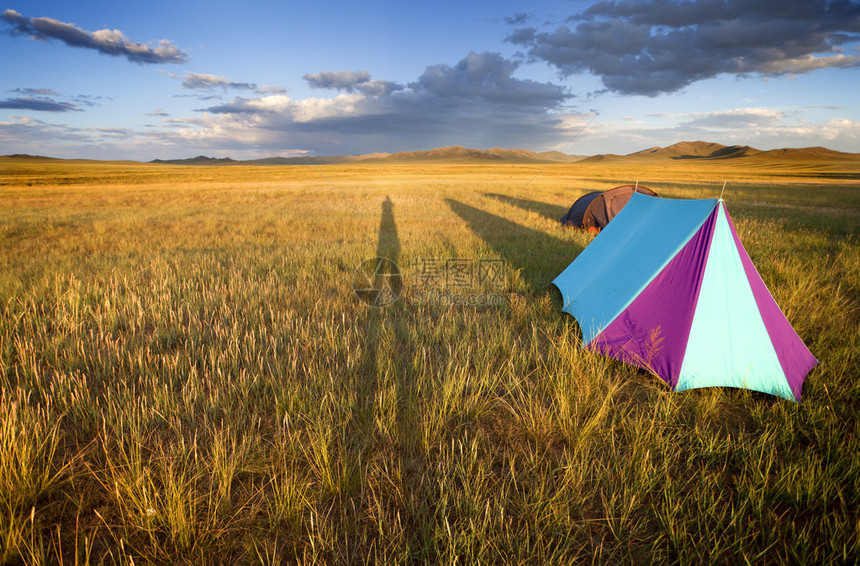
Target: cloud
272,90
38,104
740,122
351,81
517,19
263,105
30,133
762,128
46,100
486,77
204,82
345,80
649,47
735,119
477,102
105,41
34,91
90,99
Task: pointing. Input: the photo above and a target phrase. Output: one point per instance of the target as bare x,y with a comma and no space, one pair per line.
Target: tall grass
188,376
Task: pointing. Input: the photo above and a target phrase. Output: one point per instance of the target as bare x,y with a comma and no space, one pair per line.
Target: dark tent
594,210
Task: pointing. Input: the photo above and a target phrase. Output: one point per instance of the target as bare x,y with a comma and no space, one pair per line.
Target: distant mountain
446,154
714,151
814,153
199,160
604,157
25,157
460,153
19,157
559,156
697,150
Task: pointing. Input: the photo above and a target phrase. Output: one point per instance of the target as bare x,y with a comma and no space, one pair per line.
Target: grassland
188,376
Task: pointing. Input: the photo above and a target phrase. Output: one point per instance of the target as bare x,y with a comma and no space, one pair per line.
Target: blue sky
128,80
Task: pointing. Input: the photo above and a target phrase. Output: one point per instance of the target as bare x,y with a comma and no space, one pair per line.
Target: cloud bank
650,47
476,102
105,41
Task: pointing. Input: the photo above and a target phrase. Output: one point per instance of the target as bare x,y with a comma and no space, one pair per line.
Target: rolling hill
447,154
697,150
714,151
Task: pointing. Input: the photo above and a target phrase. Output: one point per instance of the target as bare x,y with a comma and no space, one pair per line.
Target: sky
261,78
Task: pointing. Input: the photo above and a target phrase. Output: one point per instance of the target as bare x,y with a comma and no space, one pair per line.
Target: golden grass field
189,378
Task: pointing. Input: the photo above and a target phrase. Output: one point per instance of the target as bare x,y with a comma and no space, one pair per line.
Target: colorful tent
593,211
667,286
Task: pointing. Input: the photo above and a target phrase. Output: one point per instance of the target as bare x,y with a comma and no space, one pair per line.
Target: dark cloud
38,104
657,46
486,77
351,81
239,105
108,42
522,36
341,80
518,19
47,100
476,102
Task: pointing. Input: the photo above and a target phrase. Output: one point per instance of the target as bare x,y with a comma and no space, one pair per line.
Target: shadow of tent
550,211
538,256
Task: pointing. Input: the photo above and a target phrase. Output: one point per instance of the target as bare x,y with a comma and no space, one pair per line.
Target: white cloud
763,128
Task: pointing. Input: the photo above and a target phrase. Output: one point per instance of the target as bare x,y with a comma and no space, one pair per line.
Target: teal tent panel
623,259
794,356
729,345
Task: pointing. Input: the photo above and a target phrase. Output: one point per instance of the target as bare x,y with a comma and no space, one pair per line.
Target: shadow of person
386,369
379,281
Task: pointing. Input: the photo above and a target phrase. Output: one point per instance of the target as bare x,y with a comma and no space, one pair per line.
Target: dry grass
188,377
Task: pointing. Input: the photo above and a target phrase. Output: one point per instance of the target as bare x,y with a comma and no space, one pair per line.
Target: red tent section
593,211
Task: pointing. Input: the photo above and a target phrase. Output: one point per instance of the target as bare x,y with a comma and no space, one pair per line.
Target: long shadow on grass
386,365
377,287
387,285
388,244
538,256
551,211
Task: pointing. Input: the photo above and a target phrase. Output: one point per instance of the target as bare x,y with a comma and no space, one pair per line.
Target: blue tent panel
628,254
